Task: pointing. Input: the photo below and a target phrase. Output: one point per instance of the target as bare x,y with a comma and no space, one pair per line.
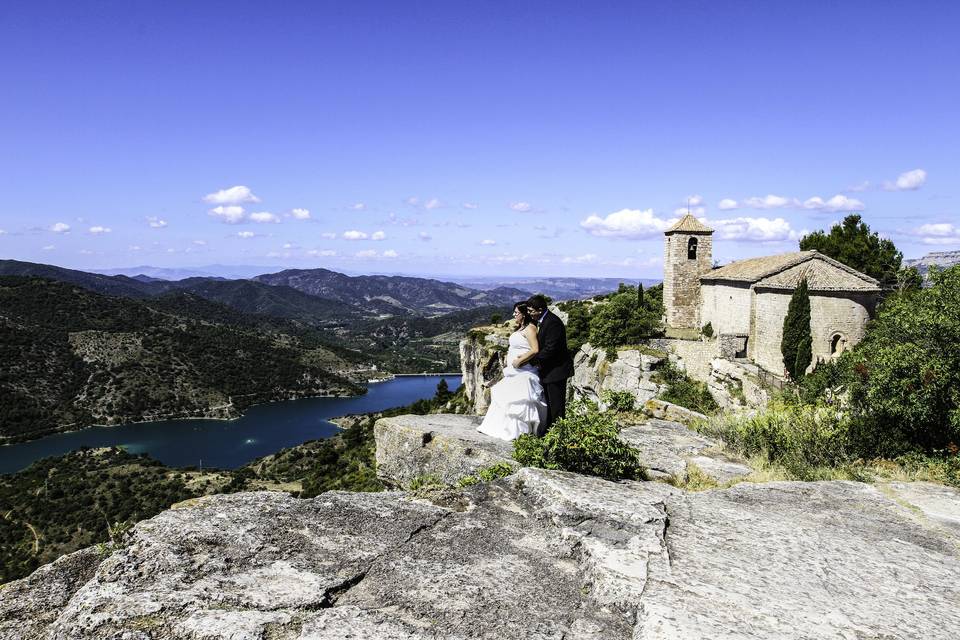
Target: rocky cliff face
631,371
540,555
481,363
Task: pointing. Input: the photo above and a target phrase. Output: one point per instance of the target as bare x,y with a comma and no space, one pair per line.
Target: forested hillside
74,358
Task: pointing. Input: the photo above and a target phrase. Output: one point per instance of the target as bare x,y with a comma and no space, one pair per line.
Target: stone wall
681,278
830,314
693,356
726,307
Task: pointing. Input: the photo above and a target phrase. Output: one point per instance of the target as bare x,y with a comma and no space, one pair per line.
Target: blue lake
263,429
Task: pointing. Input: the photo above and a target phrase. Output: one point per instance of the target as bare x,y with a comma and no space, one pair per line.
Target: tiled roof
689,224
822,273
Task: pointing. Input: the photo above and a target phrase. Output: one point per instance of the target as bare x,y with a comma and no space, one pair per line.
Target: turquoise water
263,430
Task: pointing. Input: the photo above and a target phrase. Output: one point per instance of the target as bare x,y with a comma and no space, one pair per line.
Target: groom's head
538,304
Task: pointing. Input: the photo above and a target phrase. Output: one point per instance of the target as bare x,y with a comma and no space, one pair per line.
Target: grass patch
684,391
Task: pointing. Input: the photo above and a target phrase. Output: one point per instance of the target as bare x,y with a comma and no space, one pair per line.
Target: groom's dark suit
556,366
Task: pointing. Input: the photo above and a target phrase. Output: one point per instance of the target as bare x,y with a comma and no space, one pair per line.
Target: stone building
745,302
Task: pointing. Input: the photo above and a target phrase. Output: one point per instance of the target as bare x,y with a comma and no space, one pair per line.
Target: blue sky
481,138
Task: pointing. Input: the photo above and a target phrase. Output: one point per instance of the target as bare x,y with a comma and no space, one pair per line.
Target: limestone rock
663,410
736,384
540,555
446,446
481,364
668,449
594,373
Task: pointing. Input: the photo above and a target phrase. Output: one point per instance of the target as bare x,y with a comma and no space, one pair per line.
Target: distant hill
557,288
421,296
72,358
941,259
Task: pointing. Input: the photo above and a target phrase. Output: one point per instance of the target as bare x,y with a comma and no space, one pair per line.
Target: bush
618,400
801,438
707,330
623,320
585,441
684,391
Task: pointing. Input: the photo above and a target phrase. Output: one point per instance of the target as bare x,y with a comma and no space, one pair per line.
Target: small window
837,344
692,249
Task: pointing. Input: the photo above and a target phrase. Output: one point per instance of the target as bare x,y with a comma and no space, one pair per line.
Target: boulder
443,446
539,555
594,373
669,449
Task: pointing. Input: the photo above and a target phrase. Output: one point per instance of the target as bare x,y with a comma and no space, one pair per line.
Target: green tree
578,325
496,318
796,342
906,372
909,279
443,391
852,243
622,321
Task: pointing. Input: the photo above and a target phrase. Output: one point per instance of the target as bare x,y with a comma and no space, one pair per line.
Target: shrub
797,340
623,320
487,474
684,391
618,400
707,330
801,438
585,441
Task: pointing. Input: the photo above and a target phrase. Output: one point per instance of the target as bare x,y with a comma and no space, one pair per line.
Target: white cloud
470,205
353,234
488,243
432,203
863,186
264,216
60,227
754,229
694,201
245,234
233,195
728,203
200,243
378,235
626,223
290,245
426,237
770,202
367,253
329,235
522,207
156,223
412,201
326,253
907,181
587,258
390,253
357,206
938,233
301,214
98,230
231,214
836,203
49,247
134,247
2,232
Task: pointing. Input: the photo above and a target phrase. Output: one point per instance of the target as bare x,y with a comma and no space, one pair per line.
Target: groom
554,360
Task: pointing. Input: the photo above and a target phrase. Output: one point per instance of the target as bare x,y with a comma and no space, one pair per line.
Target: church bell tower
687,254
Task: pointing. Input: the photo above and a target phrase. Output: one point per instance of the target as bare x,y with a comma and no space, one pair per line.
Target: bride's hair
525,311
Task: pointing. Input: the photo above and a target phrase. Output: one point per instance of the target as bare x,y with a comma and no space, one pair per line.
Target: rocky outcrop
442,447
631,371
481,364
539,555
670,449
736,384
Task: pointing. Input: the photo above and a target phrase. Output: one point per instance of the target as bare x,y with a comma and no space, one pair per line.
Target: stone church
746,301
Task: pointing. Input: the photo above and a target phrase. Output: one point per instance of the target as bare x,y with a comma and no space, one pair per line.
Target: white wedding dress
516,402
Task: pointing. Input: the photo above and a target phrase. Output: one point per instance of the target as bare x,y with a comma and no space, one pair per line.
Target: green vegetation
683,390
619,401
585,441
62,504
487,474
852,243
796,344
707,330
626,316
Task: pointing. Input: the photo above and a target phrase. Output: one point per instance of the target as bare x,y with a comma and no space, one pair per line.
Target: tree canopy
852,243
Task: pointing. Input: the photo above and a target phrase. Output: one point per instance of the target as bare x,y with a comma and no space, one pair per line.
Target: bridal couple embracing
533,392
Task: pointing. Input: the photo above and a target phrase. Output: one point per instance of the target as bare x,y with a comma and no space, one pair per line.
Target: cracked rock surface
541,555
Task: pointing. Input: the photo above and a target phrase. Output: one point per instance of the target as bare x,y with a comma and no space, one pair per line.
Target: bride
516,402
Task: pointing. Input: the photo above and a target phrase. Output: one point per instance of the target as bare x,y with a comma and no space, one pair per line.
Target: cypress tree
797,342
